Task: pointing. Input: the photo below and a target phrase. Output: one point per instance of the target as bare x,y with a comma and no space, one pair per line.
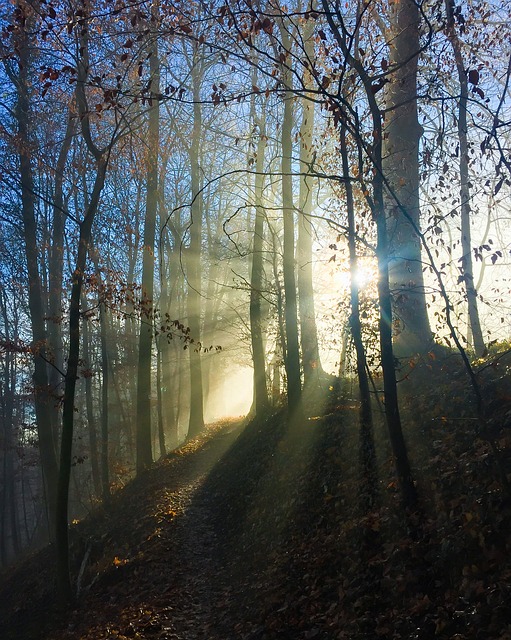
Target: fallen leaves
119,562
264,537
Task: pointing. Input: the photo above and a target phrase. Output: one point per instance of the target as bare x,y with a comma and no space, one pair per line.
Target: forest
255,331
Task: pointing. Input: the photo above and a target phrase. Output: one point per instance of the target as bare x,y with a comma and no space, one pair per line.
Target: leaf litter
259,533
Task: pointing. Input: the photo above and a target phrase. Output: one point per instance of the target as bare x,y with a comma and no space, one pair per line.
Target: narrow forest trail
154,558
168,584
188,551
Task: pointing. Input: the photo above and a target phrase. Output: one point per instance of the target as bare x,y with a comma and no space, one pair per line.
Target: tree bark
168,349
101,157
402,132
292,359
9,528
392,414
63,579
467,271
55,268
159,383
308,329
260,400
42,396
194,271
367,451
91,419
105,375
145,349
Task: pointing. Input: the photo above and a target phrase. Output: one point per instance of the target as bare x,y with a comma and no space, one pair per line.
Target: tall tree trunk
392,413
89,408
171,380
101,157
170,273
275,379
215,293
308,328
260,399
367,452
145,348
159,383
292,360
42,396
162,340
467,270
9,509
402,132
56,264
105,375
105,381
132,330
63,578
280,340
196,420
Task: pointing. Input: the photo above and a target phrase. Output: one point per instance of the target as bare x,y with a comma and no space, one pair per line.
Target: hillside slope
261,534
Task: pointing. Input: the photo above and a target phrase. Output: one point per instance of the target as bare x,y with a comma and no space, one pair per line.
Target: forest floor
262,532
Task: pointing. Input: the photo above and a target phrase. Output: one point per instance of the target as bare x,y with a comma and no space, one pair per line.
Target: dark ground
260,534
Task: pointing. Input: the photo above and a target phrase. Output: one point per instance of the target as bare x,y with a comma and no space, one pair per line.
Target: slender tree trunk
196,420
467,270
105,374
402,132
105,382
9,510
392,414
260,400
131,337
6,476
63,579
172,377
389,374
308,329
89,408
367,452
101,157
169,353
281,328
215,293
343,357
162,344
4,490
169,381
275,380
55,267
42,396
145,349
159,382
292,360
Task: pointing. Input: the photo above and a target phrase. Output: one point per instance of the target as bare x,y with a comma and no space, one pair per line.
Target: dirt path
186,575
153,560
195,549
198,550
196,556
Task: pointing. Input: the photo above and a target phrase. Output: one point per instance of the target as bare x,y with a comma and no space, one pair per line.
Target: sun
364,276
332,283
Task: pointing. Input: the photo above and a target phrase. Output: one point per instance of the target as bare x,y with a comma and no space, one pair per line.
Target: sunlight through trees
226,207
